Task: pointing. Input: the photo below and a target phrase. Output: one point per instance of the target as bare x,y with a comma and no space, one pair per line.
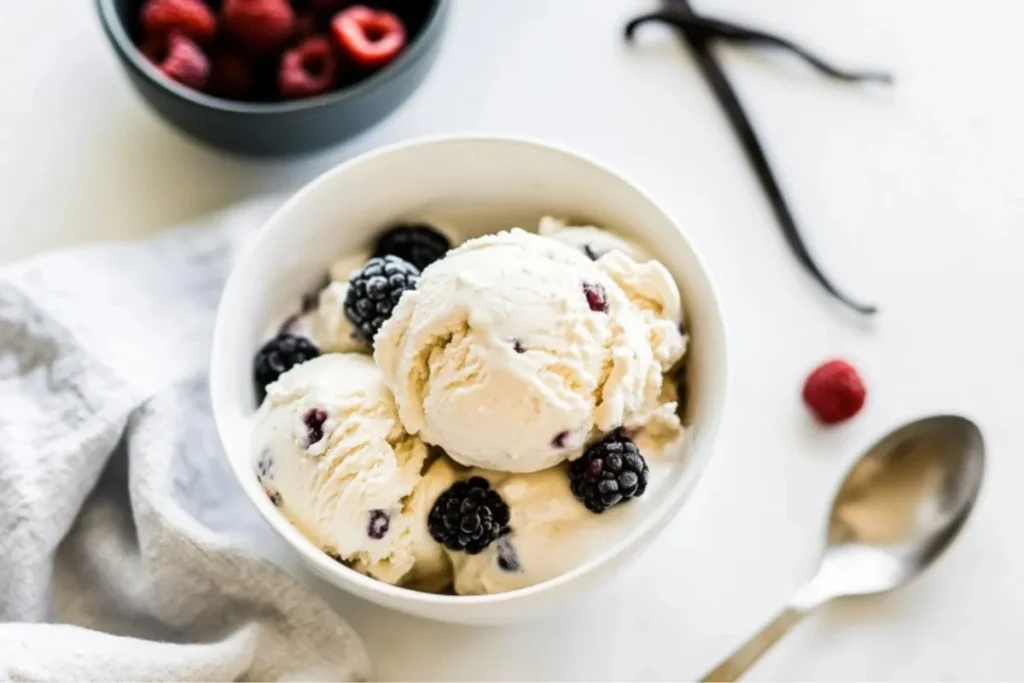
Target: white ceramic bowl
476,185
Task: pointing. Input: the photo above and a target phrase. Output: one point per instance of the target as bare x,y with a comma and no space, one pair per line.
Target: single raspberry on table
371,38
232,76
834,392
262,27
307,70
191,18
179,58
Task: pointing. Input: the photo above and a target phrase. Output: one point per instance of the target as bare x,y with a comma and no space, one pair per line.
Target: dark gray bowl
277,128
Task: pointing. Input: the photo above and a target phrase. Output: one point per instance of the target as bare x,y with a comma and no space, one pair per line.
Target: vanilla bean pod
698,32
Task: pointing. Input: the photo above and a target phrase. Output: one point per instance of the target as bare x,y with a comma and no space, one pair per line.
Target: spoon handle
751,651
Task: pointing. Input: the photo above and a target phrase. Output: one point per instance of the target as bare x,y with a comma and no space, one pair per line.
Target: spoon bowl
898,508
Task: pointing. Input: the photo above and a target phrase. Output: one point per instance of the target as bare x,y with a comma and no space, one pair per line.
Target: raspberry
469,516
260,26
610,472
371,38
178,58
834,392
188,17
419,244
307,70
374,291
232,76
278,356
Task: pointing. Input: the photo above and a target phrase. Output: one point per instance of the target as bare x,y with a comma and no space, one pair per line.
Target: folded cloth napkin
122,533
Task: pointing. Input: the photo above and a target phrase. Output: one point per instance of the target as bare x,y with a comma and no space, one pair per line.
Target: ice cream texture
515,350
332,454
592,241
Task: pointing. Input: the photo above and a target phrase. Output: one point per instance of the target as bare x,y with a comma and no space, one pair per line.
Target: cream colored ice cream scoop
332,455
515,349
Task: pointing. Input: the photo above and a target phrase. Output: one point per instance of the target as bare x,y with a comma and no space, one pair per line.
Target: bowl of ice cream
453,377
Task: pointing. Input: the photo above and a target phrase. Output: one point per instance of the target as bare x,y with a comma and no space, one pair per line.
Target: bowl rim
645,528
130,55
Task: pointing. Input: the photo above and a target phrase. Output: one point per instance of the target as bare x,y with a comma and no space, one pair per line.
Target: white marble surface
912,198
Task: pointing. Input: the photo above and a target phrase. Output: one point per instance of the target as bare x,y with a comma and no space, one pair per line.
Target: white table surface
911,198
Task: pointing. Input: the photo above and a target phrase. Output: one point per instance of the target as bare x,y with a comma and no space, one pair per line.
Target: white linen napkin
123,552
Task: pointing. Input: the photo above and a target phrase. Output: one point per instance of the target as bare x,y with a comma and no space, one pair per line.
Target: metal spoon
899,508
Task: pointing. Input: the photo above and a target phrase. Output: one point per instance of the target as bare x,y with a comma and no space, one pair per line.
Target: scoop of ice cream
332,454
591,241
514,350
552,532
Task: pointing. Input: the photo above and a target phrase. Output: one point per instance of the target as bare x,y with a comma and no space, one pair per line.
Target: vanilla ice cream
333,456
515,350
591,241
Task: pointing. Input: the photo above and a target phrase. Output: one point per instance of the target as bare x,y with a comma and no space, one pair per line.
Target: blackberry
419,244
469,516
610,472
279,355
374,291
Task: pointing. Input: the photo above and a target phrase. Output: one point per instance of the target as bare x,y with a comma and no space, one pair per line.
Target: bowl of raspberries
274,77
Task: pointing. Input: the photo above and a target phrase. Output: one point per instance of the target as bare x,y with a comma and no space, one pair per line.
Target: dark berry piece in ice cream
380,522
469,516
265,466
597,297
314,421
278,356
517,346
508,558
419,244
274,496
560,439
374,291
610,472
